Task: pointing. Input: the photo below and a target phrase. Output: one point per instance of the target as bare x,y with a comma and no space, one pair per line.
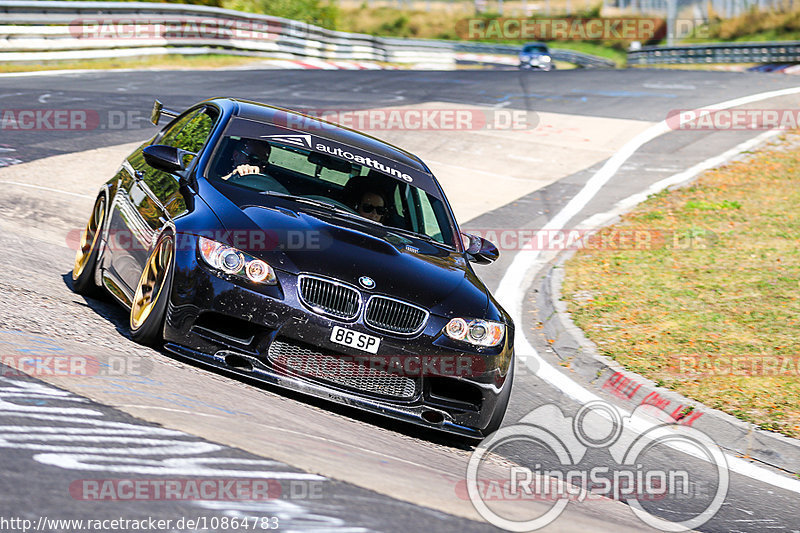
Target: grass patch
705,205
723,284
754,25
728,67
158,61
392,22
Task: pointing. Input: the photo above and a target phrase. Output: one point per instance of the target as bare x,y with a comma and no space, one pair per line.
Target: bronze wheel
88,249
147,309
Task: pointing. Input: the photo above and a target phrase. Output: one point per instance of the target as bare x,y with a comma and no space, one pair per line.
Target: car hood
306,239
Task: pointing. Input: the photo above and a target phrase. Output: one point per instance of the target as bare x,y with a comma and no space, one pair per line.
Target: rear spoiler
159,110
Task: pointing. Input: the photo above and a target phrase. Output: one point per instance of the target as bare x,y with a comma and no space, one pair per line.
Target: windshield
535,48
280,169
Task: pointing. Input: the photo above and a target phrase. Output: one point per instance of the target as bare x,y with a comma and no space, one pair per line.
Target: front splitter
257,370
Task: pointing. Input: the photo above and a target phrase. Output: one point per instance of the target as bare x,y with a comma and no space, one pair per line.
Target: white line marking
355,447
170,409
600,219
9,161
295,432
669,86
30,185
520,273
65,446
53,72
180,466
88,431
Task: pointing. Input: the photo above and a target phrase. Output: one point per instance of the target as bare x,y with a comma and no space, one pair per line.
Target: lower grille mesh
307,360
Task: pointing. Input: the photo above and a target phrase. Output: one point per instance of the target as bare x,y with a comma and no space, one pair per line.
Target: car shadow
107,308
104,305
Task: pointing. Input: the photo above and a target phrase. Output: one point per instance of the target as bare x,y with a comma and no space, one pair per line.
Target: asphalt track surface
34,277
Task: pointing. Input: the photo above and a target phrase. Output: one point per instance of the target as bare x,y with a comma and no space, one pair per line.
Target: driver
251,156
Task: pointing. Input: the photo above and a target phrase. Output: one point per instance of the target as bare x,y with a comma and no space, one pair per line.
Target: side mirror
163,157
479,249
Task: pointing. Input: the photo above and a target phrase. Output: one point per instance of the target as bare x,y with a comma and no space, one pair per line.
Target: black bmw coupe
307,255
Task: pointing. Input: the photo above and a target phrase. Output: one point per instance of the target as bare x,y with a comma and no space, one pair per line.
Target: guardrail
774,52
58,30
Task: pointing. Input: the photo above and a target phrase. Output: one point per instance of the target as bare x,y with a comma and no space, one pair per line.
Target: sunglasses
250,157
369,208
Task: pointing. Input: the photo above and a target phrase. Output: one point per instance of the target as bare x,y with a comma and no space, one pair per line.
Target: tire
149,305
88,251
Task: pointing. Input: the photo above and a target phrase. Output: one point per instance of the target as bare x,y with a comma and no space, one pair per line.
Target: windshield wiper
356,216
310,201
416,235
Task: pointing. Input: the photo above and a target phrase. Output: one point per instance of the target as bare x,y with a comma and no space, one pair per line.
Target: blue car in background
535,56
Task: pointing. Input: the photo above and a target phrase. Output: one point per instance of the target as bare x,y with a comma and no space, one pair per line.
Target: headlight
235,262
546,59
477,332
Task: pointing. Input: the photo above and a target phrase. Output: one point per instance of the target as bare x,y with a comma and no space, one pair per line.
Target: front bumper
232,325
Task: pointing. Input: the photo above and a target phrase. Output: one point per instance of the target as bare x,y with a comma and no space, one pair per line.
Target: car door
148,199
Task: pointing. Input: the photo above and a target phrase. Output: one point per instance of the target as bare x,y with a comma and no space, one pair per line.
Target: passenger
372,205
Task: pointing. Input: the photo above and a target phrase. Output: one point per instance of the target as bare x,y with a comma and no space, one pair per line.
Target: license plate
354,339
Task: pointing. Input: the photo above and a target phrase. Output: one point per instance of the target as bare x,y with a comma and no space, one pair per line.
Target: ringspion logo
555,470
